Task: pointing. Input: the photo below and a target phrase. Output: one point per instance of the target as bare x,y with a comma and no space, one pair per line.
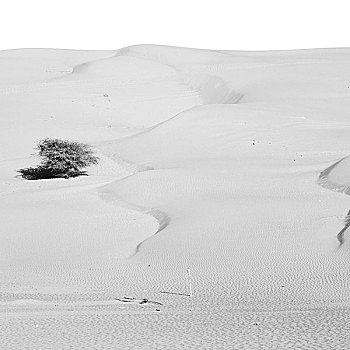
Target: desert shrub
60,158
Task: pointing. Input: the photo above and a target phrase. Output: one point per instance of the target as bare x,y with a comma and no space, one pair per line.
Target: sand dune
208,186
28,66
336,177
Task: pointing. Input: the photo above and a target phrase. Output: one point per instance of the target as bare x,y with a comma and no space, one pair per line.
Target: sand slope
209,165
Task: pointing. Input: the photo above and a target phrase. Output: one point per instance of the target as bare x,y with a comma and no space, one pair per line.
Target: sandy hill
203,226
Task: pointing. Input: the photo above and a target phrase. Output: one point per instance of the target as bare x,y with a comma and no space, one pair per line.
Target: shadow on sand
340,235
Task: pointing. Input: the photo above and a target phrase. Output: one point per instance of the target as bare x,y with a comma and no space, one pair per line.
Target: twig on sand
146,301
125,300
189,284
186,295
189,281
140,301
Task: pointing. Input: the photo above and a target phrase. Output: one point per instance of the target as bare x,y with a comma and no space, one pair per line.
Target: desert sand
211,220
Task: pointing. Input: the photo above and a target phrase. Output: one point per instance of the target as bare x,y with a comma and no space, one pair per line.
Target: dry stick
186,295
190,287
189,281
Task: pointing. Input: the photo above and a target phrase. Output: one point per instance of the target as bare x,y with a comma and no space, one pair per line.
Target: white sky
215,24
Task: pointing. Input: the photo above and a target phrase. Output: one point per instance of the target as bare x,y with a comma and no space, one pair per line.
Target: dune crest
337,176
212,89
162,218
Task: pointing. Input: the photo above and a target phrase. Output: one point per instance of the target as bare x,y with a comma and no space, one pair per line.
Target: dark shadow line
340,235
163,221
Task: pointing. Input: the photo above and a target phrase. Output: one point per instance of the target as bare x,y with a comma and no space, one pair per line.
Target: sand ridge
209,162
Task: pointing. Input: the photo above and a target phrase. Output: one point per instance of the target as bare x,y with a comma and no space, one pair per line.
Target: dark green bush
60,158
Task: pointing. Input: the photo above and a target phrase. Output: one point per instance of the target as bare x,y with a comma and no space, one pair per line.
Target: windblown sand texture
204,226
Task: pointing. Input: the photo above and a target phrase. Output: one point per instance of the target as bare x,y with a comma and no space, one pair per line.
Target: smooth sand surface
204,226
